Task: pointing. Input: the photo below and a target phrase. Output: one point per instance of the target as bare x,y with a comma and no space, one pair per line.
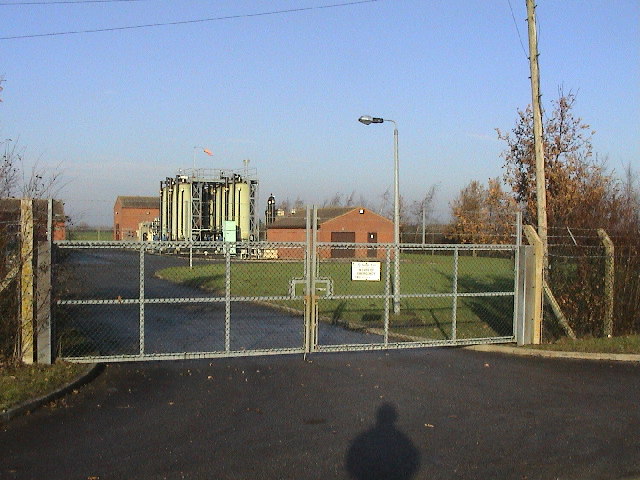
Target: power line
187,22
517,29
63,2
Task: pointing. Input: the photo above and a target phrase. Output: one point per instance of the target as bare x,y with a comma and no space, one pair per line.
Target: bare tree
421,210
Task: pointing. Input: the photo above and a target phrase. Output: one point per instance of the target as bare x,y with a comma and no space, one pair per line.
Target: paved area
423,414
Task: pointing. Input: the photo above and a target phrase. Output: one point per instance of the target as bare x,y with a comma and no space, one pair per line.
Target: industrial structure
209,204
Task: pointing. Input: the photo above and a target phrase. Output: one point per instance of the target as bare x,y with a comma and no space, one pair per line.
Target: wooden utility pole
541,193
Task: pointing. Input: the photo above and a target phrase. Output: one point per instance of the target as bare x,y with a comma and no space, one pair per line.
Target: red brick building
335,224
129,212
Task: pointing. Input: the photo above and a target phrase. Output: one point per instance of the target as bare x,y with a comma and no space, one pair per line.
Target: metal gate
124,301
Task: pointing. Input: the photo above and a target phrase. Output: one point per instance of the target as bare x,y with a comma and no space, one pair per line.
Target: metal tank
196,204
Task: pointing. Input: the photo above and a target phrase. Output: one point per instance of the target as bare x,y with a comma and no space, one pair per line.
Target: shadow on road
383,451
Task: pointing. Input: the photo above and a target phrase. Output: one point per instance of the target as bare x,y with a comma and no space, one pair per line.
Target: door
343,237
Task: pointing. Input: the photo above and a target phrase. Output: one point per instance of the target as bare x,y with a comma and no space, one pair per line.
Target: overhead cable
187,22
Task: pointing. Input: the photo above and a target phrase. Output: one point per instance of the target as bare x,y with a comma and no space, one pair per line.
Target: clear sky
121,110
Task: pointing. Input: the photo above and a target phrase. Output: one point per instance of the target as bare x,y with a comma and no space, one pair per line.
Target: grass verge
21,383
622,344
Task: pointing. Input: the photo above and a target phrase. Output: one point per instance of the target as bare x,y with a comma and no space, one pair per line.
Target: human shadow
383,451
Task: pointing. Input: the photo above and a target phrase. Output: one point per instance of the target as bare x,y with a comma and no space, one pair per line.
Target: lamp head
368,120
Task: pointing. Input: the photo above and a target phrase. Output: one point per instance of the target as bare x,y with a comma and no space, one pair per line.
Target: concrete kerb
533,352
89,374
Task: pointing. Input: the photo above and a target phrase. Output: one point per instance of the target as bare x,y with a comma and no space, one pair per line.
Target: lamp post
368,120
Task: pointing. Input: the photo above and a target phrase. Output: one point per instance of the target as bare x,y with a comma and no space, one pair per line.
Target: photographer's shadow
383,452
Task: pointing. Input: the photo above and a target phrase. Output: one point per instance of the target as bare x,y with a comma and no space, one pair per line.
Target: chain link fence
178,300
9,286
593,282
445,293
24,224
167,300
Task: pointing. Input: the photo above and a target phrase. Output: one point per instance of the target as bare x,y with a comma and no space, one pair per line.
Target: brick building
130,212
335,224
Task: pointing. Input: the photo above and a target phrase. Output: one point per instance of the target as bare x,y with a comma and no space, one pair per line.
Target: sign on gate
366,271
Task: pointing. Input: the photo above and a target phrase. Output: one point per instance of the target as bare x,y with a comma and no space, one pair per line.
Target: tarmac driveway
423,414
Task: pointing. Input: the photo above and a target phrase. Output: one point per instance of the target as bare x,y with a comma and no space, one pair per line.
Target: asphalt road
422,414
110,274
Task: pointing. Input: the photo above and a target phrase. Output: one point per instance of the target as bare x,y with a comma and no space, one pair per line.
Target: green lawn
429,318
89,235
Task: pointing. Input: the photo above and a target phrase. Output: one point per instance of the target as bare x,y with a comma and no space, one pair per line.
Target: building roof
139,202
299,218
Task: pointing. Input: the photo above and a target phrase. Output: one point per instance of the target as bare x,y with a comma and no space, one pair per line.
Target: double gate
121,301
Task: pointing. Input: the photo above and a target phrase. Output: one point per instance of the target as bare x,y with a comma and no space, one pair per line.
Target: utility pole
541,193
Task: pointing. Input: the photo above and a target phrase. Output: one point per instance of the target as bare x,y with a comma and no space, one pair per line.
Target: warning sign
367,271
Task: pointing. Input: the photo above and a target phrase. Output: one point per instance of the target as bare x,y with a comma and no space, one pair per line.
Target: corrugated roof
299,220
139,202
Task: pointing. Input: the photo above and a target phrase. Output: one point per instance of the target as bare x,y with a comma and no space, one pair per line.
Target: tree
582,196
482,215
38,182
421,210
577,187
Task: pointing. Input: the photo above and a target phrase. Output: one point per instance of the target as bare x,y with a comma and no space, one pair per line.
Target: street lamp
368,120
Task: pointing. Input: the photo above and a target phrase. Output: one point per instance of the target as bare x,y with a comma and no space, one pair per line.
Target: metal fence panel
449,294
119,301
146,301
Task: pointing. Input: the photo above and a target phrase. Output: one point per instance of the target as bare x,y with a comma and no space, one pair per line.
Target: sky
282,84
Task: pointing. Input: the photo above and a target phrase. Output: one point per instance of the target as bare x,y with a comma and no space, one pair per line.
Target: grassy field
89,235
429,318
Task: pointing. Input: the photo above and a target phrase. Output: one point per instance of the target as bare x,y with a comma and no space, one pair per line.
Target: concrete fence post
609,279
43,304
27,338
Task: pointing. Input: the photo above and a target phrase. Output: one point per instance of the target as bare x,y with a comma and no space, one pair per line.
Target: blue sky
122,110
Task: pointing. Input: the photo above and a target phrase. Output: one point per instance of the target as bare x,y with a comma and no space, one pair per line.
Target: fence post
26,281
533,295
523,337
609,278
43,304
43,325
307,288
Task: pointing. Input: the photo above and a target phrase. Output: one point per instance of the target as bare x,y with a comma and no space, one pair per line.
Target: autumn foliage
582,197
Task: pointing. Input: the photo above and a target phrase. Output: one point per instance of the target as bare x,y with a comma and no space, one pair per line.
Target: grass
89,235
19,383
622,344
429,318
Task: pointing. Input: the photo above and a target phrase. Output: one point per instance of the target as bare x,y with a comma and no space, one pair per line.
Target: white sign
369,271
